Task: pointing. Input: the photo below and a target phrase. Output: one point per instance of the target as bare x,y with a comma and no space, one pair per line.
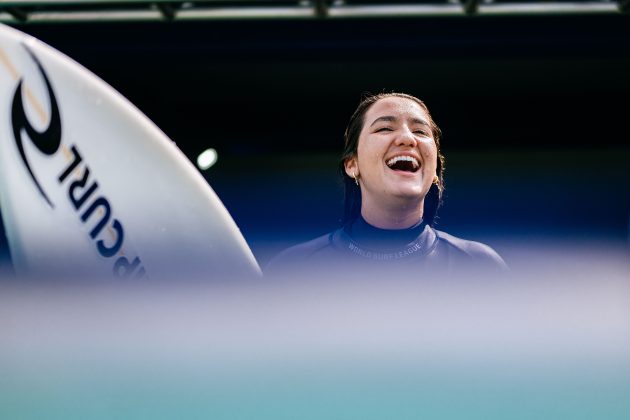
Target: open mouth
403,163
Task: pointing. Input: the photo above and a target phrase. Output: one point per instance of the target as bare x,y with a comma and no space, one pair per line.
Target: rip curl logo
47,141
83,193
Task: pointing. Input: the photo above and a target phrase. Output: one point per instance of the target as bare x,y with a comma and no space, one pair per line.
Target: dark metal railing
113,10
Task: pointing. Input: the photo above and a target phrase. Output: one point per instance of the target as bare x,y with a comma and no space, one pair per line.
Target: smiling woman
393,176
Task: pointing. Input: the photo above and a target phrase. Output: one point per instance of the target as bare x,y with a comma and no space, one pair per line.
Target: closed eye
378,130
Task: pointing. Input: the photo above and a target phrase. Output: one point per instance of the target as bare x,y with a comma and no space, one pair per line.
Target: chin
409,194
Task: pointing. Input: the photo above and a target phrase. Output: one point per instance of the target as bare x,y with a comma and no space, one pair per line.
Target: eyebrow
391,118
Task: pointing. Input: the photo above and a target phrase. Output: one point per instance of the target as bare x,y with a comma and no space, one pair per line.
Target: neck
401,216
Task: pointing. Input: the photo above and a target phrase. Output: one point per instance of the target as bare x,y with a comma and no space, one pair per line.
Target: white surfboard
87,182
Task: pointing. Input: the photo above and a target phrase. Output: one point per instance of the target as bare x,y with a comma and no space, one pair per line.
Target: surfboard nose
89,183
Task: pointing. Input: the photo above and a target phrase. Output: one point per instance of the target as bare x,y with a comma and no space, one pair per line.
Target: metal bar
247,13
547,8
95,16
168,10
395,10
471,6
18,14
321,8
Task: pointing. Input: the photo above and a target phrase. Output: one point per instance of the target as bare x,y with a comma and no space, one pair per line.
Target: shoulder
477,252
300,254
306,249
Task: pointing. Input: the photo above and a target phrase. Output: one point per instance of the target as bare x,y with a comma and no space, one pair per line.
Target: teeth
399,158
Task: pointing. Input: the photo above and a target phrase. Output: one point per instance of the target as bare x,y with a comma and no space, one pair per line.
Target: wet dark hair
352,192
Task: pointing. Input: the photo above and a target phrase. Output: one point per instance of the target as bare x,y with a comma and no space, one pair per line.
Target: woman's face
396,160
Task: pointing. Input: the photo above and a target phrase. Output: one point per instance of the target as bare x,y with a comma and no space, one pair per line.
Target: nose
406,138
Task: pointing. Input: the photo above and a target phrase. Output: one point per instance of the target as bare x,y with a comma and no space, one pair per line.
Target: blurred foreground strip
332,348
389,321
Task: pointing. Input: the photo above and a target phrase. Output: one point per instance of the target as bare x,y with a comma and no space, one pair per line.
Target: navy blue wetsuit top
361,244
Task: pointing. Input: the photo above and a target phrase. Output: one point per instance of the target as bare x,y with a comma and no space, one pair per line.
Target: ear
352,167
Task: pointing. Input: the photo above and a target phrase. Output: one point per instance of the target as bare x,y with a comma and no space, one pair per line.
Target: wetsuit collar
366,241
369,236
